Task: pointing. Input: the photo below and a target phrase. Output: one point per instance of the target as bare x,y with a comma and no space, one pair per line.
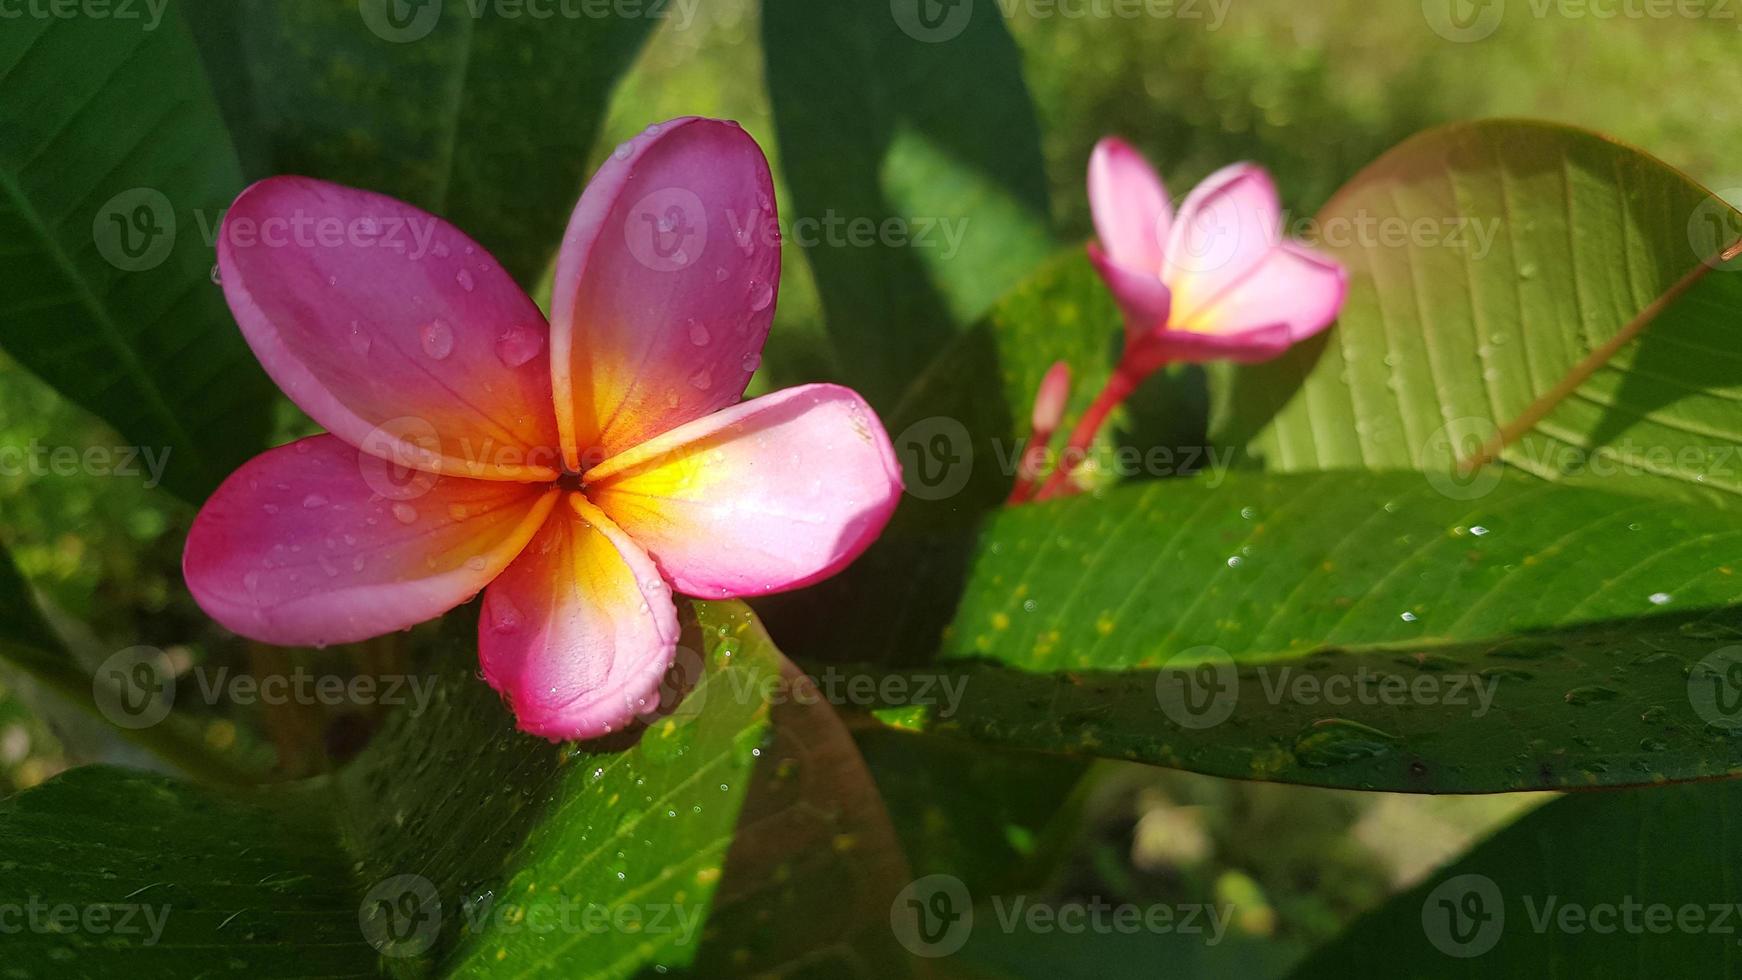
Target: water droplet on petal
464,278
699,333
518,345
761,295
404,513
360,341
751,362
314,501
623,151
720,275
703,379
475,563
438,339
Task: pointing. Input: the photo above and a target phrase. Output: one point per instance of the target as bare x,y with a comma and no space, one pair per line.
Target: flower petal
772,494
1293,285
1130,205
1225,227
1169,346
391,328
312,543
664,288
1143,298
578,633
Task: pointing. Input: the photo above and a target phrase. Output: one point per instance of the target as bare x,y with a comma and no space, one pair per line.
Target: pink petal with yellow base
772,494
664,288
391,328
579,631
315,543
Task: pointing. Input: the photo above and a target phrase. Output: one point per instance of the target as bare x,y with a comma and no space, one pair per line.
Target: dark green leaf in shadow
914,162
1638,883
114,171
482,113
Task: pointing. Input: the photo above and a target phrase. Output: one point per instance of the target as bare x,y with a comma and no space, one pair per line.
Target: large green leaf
118,872
483,113
1501,266
1629,884
456,845
114,169
913,157
1539,637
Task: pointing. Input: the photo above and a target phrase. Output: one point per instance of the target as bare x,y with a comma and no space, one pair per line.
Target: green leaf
997,820
136,873
484,116
1542,636
456,845
113,174
1500,270
1594,884
914,162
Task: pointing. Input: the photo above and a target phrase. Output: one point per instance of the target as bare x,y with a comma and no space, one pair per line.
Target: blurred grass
1313,92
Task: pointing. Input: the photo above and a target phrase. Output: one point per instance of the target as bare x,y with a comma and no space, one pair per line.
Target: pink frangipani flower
578,472
1217,280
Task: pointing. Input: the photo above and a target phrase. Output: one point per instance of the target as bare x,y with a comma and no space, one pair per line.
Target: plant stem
1119,386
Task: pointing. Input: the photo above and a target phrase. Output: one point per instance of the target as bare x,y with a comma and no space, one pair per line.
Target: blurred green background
1311,91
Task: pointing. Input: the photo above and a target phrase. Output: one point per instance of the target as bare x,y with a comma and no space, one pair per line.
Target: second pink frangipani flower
578,472
1217,280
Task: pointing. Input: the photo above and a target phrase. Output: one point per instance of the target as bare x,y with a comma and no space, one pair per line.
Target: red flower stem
1119,386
